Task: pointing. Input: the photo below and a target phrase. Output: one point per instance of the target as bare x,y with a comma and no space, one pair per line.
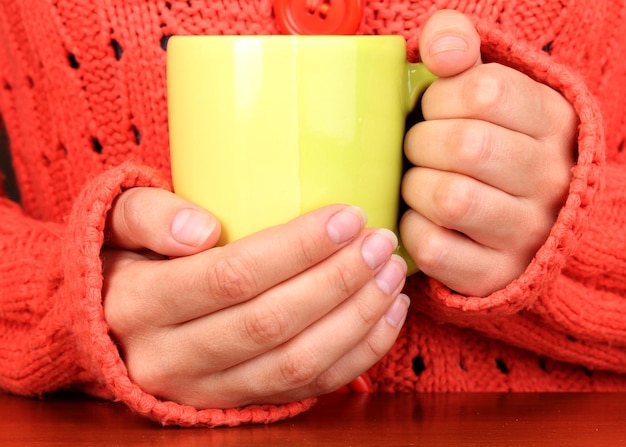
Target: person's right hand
291,312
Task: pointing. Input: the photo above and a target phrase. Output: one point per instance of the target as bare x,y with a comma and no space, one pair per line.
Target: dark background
10,186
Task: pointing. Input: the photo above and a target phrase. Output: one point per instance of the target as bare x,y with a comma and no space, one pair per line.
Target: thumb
449,44
159,221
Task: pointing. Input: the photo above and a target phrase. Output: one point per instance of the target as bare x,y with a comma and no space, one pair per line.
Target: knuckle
432,253
472,143
342,275
121,319
132,208
150,371
536,230
498,277
365,313
375,347
343,279
266,327
124,309
486,88
297,369
556,189
453,200
306,248
327,382
148,378
231,277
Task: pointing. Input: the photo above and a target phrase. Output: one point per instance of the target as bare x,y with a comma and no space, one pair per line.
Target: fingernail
378,247
392,274
396,314
448,43
346,224
192,227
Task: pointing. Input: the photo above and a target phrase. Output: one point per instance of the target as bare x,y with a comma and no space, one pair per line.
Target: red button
318,16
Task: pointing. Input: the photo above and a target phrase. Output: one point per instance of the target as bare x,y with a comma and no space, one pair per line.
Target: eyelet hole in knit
117,48
462,365
548,47
73,61
137,134
418,365
502,366
97,146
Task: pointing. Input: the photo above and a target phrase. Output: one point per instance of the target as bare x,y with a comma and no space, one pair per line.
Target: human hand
492,164
288,313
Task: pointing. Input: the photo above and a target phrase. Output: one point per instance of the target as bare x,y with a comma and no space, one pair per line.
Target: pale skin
301,309
492,164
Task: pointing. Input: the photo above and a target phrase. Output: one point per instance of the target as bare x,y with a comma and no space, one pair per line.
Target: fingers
366,324
459,107
246,268
349,364
449,43
376,343
486,214
477,176
502,96
186,288
510,161
276,316
456,260
160,221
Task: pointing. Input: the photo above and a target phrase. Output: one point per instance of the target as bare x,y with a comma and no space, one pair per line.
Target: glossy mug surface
265,128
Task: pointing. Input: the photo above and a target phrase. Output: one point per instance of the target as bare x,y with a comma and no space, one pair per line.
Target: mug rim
288,37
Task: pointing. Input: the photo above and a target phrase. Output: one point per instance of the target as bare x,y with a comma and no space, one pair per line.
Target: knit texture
83,99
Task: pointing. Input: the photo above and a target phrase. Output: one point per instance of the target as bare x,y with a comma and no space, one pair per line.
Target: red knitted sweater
82,96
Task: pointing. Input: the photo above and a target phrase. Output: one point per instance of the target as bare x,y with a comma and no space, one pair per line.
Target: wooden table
569,420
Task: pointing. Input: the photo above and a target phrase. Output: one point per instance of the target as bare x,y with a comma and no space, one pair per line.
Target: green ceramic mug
265,128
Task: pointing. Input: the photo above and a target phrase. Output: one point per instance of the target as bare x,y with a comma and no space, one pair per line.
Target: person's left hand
492,164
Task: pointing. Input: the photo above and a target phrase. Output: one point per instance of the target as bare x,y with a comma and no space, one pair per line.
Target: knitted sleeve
570,304
52,329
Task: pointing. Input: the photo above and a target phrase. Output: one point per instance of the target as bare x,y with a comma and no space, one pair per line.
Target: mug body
265,128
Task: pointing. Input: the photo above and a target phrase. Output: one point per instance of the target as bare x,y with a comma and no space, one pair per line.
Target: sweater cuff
574,216
100,355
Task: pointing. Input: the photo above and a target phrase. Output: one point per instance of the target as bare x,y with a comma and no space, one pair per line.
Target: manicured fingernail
396,314
346,224
378,247
192,227
448,43
392,274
